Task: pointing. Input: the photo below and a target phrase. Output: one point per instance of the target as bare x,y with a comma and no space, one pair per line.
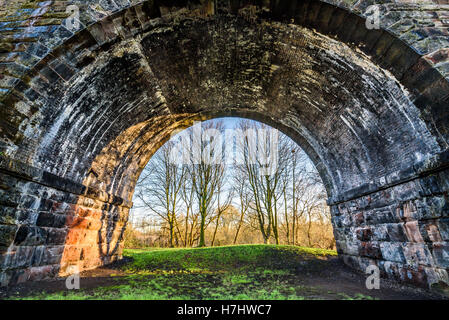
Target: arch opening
168,199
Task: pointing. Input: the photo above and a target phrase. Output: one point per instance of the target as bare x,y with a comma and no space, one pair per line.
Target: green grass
223,258
260,272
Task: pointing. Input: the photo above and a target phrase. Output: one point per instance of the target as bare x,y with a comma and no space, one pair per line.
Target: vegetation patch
248,272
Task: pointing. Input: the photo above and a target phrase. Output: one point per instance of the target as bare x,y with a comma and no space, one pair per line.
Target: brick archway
81,123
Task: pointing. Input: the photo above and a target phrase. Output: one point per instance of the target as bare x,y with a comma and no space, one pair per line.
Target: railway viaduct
89,90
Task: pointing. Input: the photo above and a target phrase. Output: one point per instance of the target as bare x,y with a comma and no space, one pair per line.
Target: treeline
192,195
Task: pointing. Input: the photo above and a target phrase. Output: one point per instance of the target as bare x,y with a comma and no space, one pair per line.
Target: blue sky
230,123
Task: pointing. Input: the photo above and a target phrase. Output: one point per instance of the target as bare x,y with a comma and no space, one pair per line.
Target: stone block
380,232
407,192
381,215
413,232
42,273
364,234
358,219
30,236
7,234
436,276
341,233
418,254
56,236
37,255
416,277
72,254
19,257
25,216
103,32
351,248
370,250
430,231
28,202
433,207
440,253
407,211
51,255
392,251
443,227
47,219
7,216
396,232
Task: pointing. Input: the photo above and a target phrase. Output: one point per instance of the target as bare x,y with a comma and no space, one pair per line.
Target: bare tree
263,171
222,207
244,197
190,219
295,181
207,171
160,191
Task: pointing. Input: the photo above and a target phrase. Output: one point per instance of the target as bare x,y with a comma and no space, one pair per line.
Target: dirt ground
326,276
335,276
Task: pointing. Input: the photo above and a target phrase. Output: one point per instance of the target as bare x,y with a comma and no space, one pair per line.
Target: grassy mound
223,258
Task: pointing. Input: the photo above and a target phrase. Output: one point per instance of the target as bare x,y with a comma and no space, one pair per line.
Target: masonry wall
403,229
362,103
52,227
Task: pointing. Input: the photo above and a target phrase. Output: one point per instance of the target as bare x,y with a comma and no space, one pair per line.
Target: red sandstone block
42,273
432,231
370,250
82,223
438,56
74,236
72,253
408,211
82,212
413,232
416,277
358,218
364,234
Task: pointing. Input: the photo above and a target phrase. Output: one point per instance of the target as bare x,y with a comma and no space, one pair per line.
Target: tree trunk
171,227
202,238
238,228
215,231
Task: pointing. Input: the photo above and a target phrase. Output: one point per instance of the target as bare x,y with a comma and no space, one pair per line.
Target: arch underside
94,112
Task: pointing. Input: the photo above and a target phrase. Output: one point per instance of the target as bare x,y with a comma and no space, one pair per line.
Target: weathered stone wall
83,111
403,229
49,224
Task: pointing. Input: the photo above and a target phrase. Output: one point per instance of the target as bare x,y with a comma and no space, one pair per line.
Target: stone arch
81,123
